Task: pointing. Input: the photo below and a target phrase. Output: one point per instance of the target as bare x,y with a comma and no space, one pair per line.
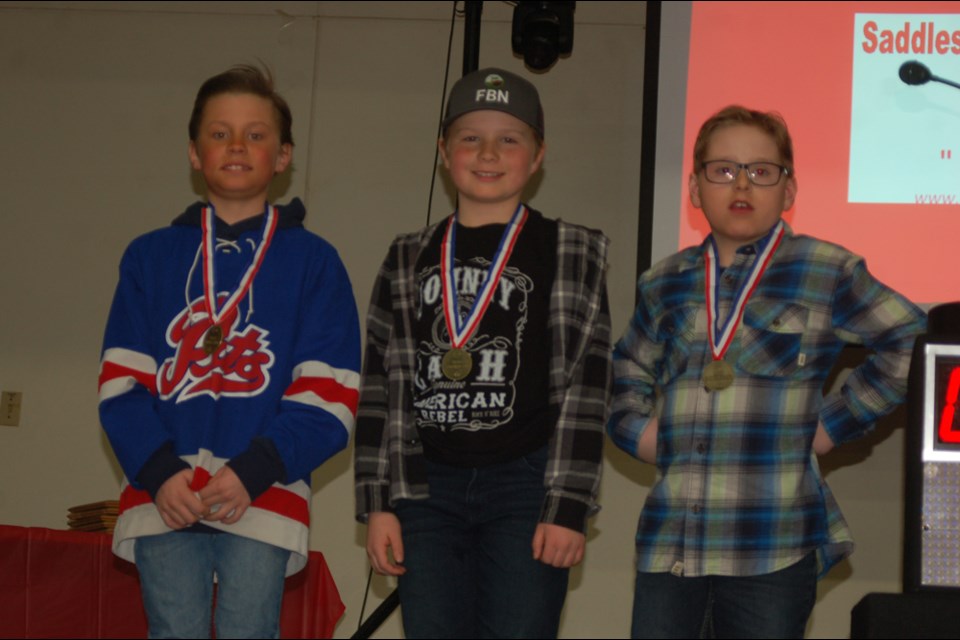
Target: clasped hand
224,499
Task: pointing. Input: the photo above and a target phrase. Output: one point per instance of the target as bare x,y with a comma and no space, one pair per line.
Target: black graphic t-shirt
499,411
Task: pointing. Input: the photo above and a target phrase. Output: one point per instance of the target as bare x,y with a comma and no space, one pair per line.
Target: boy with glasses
718,381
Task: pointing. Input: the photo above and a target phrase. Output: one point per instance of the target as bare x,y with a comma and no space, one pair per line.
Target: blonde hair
771,123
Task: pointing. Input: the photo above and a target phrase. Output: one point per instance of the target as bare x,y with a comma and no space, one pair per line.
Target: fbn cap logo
493,92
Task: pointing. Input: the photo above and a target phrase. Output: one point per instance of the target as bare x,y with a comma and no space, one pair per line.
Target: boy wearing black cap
485,387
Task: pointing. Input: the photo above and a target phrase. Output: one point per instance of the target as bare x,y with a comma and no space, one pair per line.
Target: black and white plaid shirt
389,461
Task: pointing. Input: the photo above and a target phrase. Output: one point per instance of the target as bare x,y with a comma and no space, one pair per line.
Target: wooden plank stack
95,516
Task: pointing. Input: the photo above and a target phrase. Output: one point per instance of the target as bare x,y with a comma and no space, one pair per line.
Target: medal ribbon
460,329
209,235
722,336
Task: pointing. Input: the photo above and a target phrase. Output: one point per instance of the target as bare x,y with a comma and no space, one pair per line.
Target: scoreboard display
932,522
946,394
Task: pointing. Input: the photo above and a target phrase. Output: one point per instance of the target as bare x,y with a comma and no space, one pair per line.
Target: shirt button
701,448
728,278
696,508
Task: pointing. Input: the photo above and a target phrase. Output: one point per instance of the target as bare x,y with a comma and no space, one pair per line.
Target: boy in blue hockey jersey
228,374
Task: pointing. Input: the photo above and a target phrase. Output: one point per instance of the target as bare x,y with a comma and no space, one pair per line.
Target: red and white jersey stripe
280,516
121,370
336,391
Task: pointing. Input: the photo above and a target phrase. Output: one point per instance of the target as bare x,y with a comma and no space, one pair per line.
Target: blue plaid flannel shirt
738,490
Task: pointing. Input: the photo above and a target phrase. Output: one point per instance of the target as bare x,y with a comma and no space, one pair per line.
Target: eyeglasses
762,174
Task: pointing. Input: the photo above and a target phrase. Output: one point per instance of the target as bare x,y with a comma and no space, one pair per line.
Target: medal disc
212,340
456,364
717,375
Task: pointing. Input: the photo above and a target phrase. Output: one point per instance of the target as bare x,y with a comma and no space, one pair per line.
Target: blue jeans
774,605
176,577
469,556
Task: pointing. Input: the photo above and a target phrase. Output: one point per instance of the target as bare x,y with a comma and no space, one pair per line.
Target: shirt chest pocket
677,332
771,339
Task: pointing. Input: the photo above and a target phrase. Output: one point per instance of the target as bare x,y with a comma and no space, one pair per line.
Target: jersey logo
239,368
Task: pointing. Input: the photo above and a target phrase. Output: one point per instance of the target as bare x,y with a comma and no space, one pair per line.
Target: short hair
243,78
770,122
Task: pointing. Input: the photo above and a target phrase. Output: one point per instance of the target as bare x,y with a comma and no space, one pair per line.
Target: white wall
94,102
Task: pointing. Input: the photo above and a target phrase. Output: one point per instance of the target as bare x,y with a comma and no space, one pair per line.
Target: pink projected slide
877,159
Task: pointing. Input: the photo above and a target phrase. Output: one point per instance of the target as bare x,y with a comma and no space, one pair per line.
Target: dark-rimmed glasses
762,174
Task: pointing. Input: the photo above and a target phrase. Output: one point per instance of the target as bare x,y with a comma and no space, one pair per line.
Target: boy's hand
383,536
647,446
821,441
224,498
177,503
558,546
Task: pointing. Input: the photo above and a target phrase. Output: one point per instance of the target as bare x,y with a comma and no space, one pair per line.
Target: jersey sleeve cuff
259,467
159,467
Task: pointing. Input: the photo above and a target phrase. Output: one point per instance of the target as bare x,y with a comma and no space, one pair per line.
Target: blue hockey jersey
284,379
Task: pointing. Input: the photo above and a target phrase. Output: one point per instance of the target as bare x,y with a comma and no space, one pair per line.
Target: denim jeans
177,574
774,605
469,557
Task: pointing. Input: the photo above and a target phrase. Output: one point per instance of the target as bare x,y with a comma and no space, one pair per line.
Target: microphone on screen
915,73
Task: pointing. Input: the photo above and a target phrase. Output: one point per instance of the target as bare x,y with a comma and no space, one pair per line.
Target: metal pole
471,36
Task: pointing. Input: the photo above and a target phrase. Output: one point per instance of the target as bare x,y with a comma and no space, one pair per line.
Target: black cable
443,97
364,629
378,616
366,592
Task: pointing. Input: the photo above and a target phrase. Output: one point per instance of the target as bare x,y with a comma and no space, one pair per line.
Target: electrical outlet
10,408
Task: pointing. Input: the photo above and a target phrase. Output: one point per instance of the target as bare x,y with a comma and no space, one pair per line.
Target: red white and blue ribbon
209,235
460,327
722,335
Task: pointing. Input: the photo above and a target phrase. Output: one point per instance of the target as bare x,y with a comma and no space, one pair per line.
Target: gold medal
456,364
212,340
717,375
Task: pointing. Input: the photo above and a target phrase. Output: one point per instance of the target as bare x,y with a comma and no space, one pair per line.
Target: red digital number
947,433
